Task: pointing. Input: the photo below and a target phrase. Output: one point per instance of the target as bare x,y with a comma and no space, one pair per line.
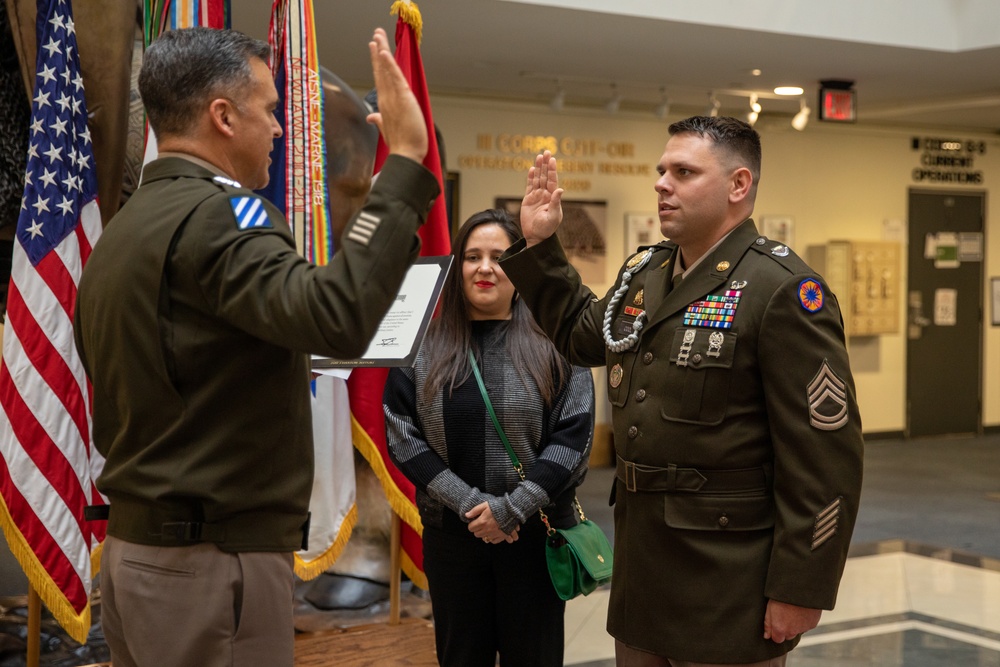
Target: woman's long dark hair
450,334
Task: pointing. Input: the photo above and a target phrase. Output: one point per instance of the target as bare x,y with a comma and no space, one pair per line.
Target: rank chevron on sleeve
827,395
250,213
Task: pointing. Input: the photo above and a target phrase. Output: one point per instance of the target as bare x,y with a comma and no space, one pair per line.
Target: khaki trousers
627,656
196,605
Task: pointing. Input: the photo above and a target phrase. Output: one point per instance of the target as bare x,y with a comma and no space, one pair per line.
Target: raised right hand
399,118
541,208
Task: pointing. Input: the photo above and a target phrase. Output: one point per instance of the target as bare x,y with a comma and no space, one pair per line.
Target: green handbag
579,558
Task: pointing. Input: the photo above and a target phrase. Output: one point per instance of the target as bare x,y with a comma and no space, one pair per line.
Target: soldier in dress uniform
194,321
736,426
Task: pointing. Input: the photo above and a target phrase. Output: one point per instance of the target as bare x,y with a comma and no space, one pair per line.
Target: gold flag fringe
76,625
398,501
311,569
410,13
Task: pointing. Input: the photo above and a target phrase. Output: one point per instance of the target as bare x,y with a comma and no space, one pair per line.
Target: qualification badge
638,298
811,295
615,377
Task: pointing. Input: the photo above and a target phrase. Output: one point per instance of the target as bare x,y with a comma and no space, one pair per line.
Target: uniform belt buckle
182,531
630,476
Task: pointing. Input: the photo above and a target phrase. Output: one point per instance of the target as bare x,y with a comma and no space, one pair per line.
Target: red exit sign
837,105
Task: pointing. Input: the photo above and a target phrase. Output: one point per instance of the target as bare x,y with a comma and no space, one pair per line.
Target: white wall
836,182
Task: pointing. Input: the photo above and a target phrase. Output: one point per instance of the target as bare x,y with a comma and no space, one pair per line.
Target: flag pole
34,637
395,566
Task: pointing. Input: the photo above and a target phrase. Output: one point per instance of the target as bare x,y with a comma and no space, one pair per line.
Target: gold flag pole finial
410,13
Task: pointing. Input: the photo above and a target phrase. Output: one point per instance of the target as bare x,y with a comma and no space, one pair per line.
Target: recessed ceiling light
788,90
755,72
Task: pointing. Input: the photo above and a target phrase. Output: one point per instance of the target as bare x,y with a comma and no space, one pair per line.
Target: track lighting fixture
713,106
558,100
611,106
662,109
754,109
801,119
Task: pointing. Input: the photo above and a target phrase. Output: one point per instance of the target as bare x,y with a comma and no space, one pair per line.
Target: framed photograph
582,234
779,228
995,299
641,229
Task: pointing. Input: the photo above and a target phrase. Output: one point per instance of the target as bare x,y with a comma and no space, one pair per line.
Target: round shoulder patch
811,295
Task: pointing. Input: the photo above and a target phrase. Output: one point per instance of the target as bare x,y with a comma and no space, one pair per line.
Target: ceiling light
801,119
663,108
558,100
713,106
754,104
788,90
611,106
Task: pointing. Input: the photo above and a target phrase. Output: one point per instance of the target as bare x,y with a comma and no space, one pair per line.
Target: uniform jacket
737,434
194,319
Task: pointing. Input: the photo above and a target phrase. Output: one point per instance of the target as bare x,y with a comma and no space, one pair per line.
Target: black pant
493,598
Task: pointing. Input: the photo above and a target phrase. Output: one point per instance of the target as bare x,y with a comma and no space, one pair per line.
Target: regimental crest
827,397
811,295
250,213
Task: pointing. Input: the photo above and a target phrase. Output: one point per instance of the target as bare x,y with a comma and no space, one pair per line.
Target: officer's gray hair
184,69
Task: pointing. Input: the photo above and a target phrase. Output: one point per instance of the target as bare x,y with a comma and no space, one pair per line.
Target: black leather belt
637,477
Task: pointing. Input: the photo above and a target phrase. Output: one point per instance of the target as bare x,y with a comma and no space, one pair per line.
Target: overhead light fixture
788,90
754,110
801,119
713,106
611,106
663,108
558,100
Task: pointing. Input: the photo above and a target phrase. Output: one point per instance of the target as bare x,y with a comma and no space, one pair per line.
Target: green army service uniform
194,320
737,434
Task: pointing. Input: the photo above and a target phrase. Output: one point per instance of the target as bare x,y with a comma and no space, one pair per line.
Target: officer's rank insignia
826,523
811,295
637,301
636,258
713,311
250,213
227,181
780,251
615,376
827,396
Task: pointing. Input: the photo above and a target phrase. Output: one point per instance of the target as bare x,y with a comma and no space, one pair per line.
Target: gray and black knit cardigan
449,448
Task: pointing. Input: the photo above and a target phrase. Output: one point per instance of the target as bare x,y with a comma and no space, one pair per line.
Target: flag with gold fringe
298,187
48,465
366,384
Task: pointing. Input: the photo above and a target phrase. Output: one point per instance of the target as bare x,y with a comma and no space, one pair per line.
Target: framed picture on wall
641,229
995,299
780,228
583,234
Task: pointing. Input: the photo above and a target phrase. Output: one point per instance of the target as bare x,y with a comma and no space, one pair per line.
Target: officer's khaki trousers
195,605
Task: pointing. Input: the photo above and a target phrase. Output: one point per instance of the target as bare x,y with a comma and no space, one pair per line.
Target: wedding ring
486,539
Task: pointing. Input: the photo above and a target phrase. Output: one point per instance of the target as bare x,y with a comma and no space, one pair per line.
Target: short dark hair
735,137
184,69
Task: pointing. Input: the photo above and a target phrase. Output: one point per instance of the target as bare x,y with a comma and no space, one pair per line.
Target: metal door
944,313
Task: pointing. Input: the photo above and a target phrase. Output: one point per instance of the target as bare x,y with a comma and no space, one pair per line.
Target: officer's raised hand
541,208
399,117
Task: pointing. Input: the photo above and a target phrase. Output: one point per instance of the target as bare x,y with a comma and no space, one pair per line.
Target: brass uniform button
633,431
647,358
723,521
696,358
640,395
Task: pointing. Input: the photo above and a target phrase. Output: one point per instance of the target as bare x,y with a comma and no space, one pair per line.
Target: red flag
366,384
47,463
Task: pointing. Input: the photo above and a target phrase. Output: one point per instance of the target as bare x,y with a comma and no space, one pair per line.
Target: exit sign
837,105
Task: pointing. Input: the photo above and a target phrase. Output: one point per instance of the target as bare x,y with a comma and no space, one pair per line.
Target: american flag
47,463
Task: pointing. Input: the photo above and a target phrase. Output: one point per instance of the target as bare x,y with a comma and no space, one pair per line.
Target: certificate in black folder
401,331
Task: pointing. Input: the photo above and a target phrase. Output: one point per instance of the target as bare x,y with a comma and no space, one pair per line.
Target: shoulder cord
629,341
506,443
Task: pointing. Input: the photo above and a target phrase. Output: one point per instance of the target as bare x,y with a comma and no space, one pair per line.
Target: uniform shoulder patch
250,212
811,295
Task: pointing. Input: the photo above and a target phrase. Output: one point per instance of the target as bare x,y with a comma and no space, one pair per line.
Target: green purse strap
506,443
493,415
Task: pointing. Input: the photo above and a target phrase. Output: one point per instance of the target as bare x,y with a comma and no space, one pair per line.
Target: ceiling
525,50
